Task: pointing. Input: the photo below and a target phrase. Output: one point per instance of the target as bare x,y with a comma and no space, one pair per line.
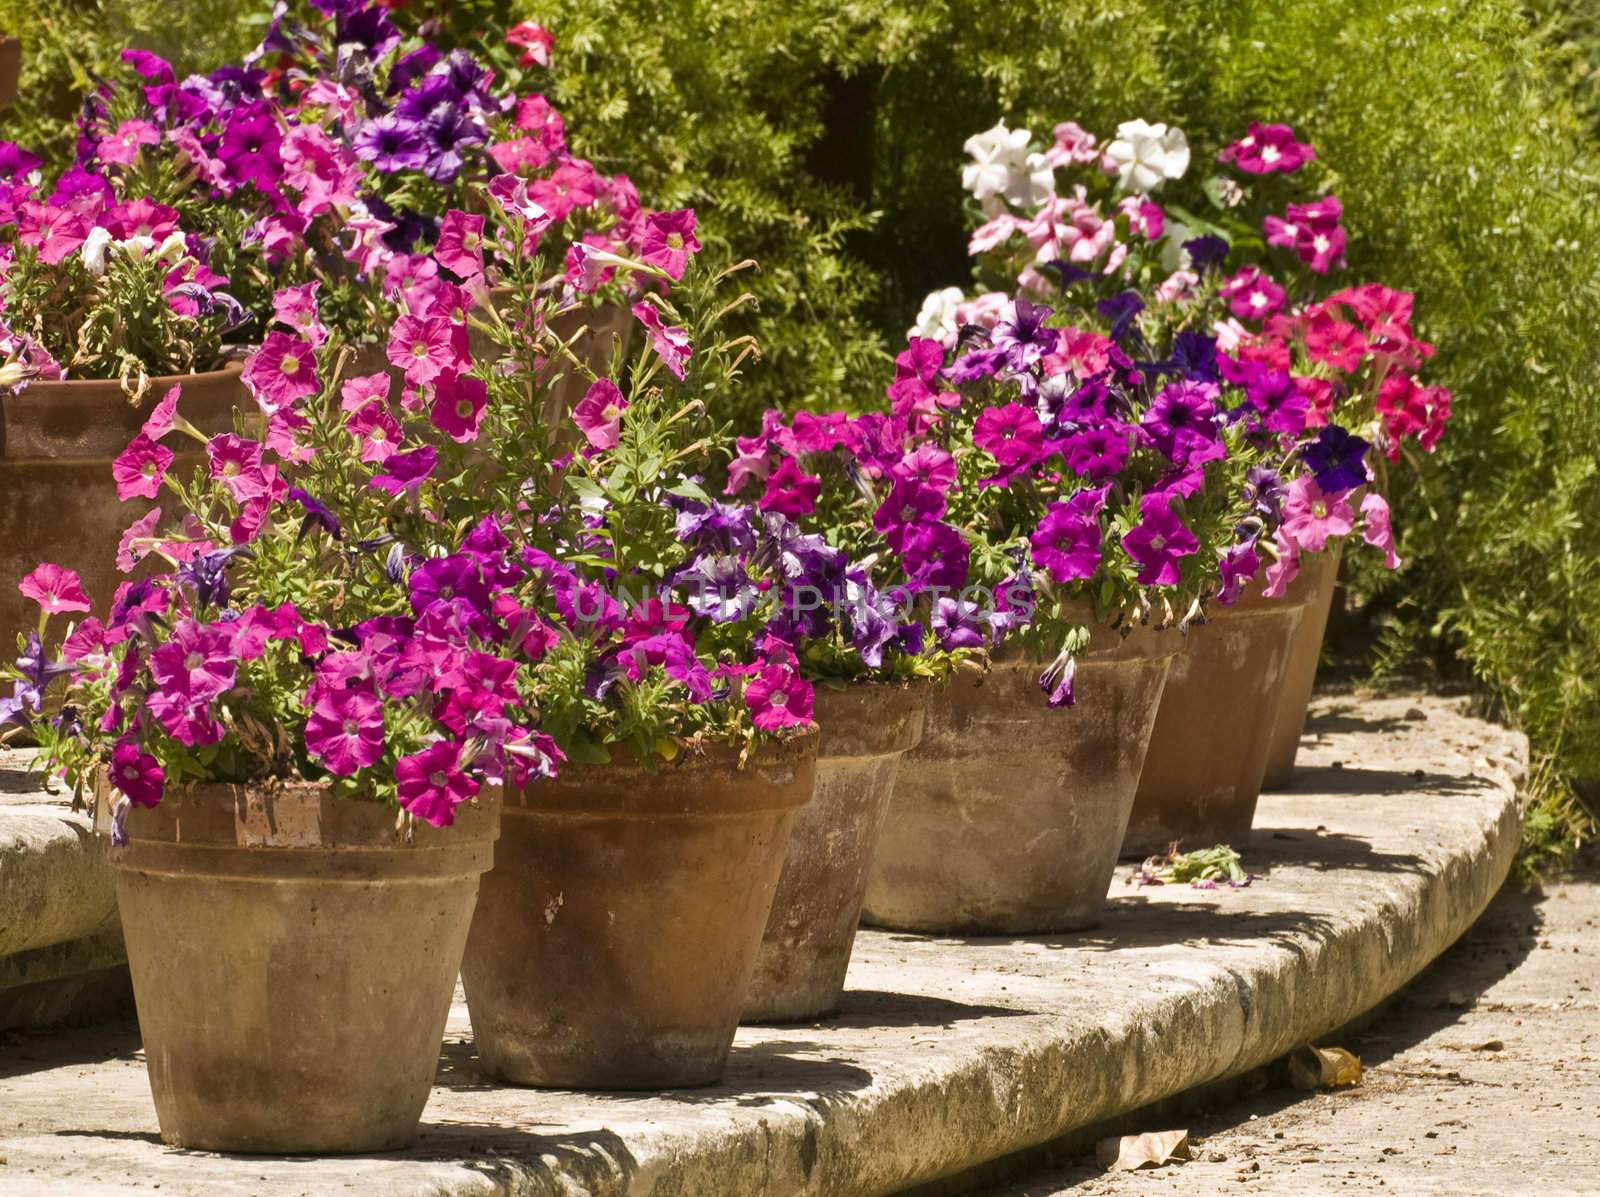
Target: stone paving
948,1053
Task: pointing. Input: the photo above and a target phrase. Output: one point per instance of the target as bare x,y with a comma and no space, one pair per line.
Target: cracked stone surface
1484,1075
1400,828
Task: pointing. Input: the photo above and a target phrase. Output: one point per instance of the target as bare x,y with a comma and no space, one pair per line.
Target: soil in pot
1314,586
1007,818
293,962
614,941
1208,753
58,501
805,952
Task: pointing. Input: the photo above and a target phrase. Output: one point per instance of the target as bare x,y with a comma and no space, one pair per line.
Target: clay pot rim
158,382
877,702
685,787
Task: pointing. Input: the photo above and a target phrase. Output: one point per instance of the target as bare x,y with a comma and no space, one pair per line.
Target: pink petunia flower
137,540
791,491
1285,568
282,372
122,145
422,347
297,308
671,342
136,775
669,240
139,469
535,42
599,414
378,431
1376,529
355,393
237,464
460,245
1311,516
55,588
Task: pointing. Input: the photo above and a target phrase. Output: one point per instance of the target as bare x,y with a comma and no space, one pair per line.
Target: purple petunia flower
317,515
1066,545
958,623
1239,564
1181,423
406,471
446,580
392,144
936,556
1337,459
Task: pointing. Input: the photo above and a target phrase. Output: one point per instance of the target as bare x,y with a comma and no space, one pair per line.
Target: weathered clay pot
805,952
1313,587
615,938
1208,753
1007,818
10,70
58,502
293,962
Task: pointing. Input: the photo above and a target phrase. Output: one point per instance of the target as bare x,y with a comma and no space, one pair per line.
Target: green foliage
68,44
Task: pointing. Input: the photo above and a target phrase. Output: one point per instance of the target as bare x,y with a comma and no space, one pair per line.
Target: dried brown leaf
1126,1153
1323,1068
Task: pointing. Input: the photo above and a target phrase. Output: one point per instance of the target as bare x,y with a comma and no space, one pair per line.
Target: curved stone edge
909,1130
58,903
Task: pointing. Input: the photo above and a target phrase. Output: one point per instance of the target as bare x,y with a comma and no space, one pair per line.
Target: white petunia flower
937,319
94,250
1003,169
1147,155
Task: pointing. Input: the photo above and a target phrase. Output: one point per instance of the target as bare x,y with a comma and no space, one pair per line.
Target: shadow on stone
1379,783
588,1161
1134,922
1321,851
25,1052
880,1008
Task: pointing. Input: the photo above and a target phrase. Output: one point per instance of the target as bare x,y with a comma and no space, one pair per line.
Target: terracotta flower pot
1007,818
805,952
293,962
1208,753
1314,587
615,938
10,70
58,501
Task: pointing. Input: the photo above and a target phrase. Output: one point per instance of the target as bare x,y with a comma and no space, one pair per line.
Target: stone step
1400,827
61,954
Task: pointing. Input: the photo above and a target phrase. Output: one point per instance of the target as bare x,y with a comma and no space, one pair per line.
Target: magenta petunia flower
671,342
1251,295
423,347
55,588
431,784
282,372
1097,453
345,731
1182,423
197,662
790,490
1312,231
599,414
1311,516
1376,529
1265,149
460,245
778,697
936,556
1238,564
297,308
669,240
139,469
163,417
237,464
458,405
1067,544
1159,542
136,775
1012,435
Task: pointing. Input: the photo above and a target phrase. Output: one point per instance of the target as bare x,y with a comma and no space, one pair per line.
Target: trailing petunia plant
96,287
1246,286
293,612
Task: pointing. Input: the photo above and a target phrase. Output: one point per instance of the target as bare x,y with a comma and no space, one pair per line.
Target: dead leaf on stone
1126,1153
1491,1045
1323,1068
